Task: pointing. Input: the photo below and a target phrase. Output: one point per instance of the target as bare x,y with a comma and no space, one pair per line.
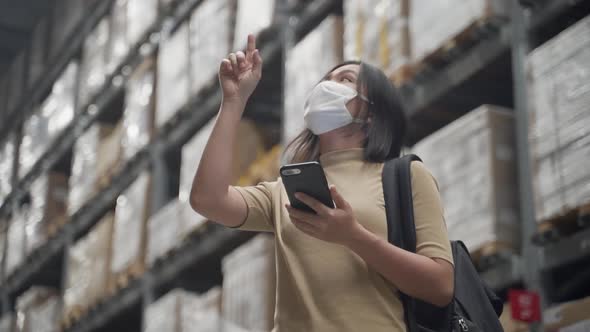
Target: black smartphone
308,178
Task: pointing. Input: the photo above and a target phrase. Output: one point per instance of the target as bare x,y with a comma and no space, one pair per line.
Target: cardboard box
484,169
7,155
109,155
306,65
16,241
130,228
566,314
559,134
249,285
88,267
173,75
39,50
119,44
38,310
141,15
139,113
93,66
251,18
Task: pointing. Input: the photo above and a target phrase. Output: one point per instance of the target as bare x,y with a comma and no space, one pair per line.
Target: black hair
385,132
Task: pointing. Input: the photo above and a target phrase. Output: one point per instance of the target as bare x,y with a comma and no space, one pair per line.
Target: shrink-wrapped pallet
93,66
109,160
173,75
433,24
141,15
249,285
183,311
49,194
209,43
376,32
130,228
38,50
559,133
38,310
6,167
306,65
87,267
119,43
252,16
45,125
15,240
138,116
8,323
477,182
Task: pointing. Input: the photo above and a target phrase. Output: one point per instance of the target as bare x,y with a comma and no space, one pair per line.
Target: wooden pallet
78,312
491,253
123,279
563,224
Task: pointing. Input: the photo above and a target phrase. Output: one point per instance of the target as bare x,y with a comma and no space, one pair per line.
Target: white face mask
325,108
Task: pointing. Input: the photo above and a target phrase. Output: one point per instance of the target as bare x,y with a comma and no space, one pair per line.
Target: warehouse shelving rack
502,45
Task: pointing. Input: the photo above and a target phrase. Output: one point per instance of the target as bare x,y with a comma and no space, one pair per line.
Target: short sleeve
432,239
259,202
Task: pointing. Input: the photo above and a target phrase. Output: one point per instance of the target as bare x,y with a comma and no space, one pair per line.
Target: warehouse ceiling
17,19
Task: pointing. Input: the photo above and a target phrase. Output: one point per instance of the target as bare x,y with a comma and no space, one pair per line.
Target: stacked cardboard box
93,66
141,15
8,323
477,182
38,51
6,167
306,64
173,75
119,44
109,161
56,113
433,24
15,240
38,310
130,229
251,18
138,116
87,267
265,168
183,311
209,43
16,81
376,32
49,193
559,120
571,316
249,285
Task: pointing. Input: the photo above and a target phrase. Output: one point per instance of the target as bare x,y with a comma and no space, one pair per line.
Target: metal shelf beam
567,250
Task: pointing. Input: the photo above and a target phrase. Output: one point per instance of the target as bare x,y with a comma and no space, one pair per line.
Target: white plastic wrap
192,152
6,167
249,285
38,310
433,23
173,75
93,67
306,65
484,169
56,112
15,240
119,44
559,120
252,16
87,266
7,323
141,15
138,116
168,228
131,212
209,43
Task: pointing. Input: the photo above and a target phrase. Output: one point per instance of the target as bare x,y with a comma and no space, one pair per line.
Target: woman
335,269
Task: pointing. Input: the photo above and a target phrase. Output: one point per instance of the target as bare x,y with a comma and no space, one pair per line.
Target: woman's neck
340,139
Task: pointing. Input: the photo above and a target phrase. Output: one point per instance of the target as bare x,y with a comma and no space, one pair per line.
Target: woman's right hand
240,73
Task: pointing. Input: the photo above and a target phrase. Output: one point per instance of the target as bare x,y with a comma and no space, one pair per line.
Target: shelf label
525,305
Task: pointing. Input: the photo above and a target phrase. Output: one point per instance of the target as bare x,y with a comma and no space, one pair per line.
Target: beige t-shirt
323,286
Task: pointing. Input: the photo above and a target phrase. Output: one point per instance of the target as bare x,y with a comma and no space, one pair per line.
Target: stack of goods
38,310
265,168
209,43
56,113
306,64
484,170
87,268
251,18
6,167
67,17
93,66
16,82
173,75
88,164
249,285
434,24
568,317
15,240
559,135
8,323
119,44
130,232
49,193
141,15
109,160
183,311
376,32
38,50
138,116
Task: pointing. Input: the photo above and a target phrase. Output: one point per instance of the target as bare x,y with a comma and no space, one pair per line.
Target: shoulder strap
399,210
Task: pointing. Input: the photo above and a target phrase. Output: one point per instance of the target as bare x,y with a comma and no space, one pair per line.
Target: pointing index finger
251,43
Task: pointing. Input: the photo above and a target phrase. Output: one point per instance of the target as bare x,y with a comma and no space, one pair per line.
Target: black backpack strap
399,209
